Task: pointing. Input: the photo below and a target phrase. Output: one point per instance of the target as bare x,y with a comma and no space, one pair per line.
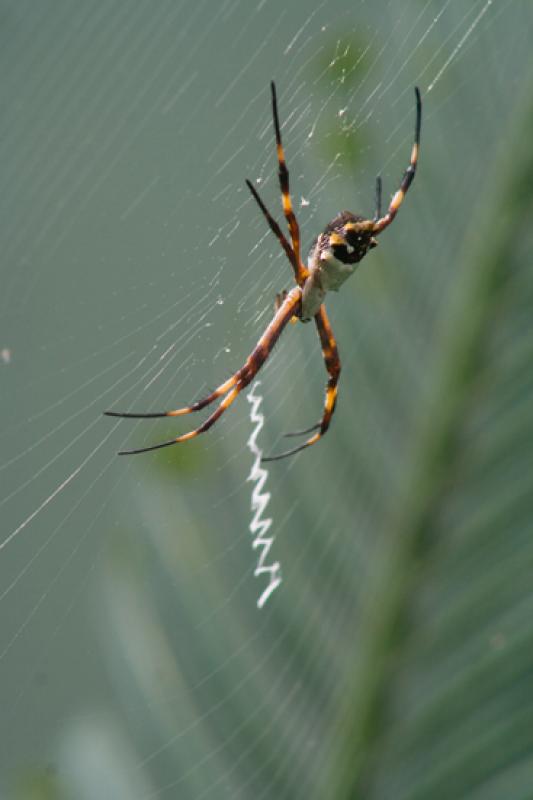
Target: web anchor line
259,526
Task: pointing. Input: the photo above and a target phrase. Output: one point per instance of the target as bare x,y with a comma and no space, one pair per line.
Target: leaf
438,704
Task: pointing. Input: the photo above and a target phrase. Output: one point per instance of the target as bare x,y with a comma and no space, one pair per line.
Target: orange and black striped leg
283,174
234,386
276,230
178,412
408,176
333,367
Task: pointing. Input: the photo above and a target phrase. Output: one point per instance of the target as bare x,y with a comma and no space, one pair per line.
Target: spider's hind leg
333,368
220,391
239,381
314,427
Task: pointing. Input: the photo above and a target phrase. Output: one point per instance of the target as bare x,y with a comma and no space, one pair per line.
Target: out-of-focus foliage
340,70
442,683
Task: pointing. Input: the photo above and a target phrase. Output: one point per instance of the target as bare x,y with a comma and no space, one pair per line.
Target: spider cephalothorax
349,236
333,258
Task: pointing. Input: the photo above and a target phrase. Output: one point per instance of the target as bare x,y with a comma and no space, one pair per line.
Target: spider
333,257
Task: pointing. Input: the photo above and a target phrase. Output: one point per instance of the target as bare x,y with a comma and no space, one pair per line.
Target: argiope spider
333,257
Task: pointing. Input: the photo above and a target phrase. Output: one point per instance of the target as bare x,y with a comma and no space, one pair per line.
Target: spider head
349,237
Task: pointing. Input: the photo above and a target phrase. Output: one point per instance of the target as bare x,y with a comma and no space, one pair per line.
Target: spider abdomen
313,295
334,272
327,274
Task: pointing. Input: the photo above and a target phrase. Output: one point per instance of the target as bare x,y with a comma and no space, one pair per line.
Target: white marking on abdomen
327,275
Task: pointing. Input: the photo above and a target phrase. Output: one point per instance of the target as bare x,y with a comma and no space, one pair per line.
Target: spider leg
333,367
243,376
379,186
314,427
276,230
409,174
226,402
178,412
283,174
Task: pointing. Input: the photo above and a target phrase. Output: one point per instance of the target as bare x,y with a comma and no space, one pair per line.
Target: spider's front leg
333,367
230,389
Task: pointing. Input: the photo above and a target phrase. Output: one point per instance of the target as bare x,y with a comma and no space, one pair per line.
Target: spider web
138,274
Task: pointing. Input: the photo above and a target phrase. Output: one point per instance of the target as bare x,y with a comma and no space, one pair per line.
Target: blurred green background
396,658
